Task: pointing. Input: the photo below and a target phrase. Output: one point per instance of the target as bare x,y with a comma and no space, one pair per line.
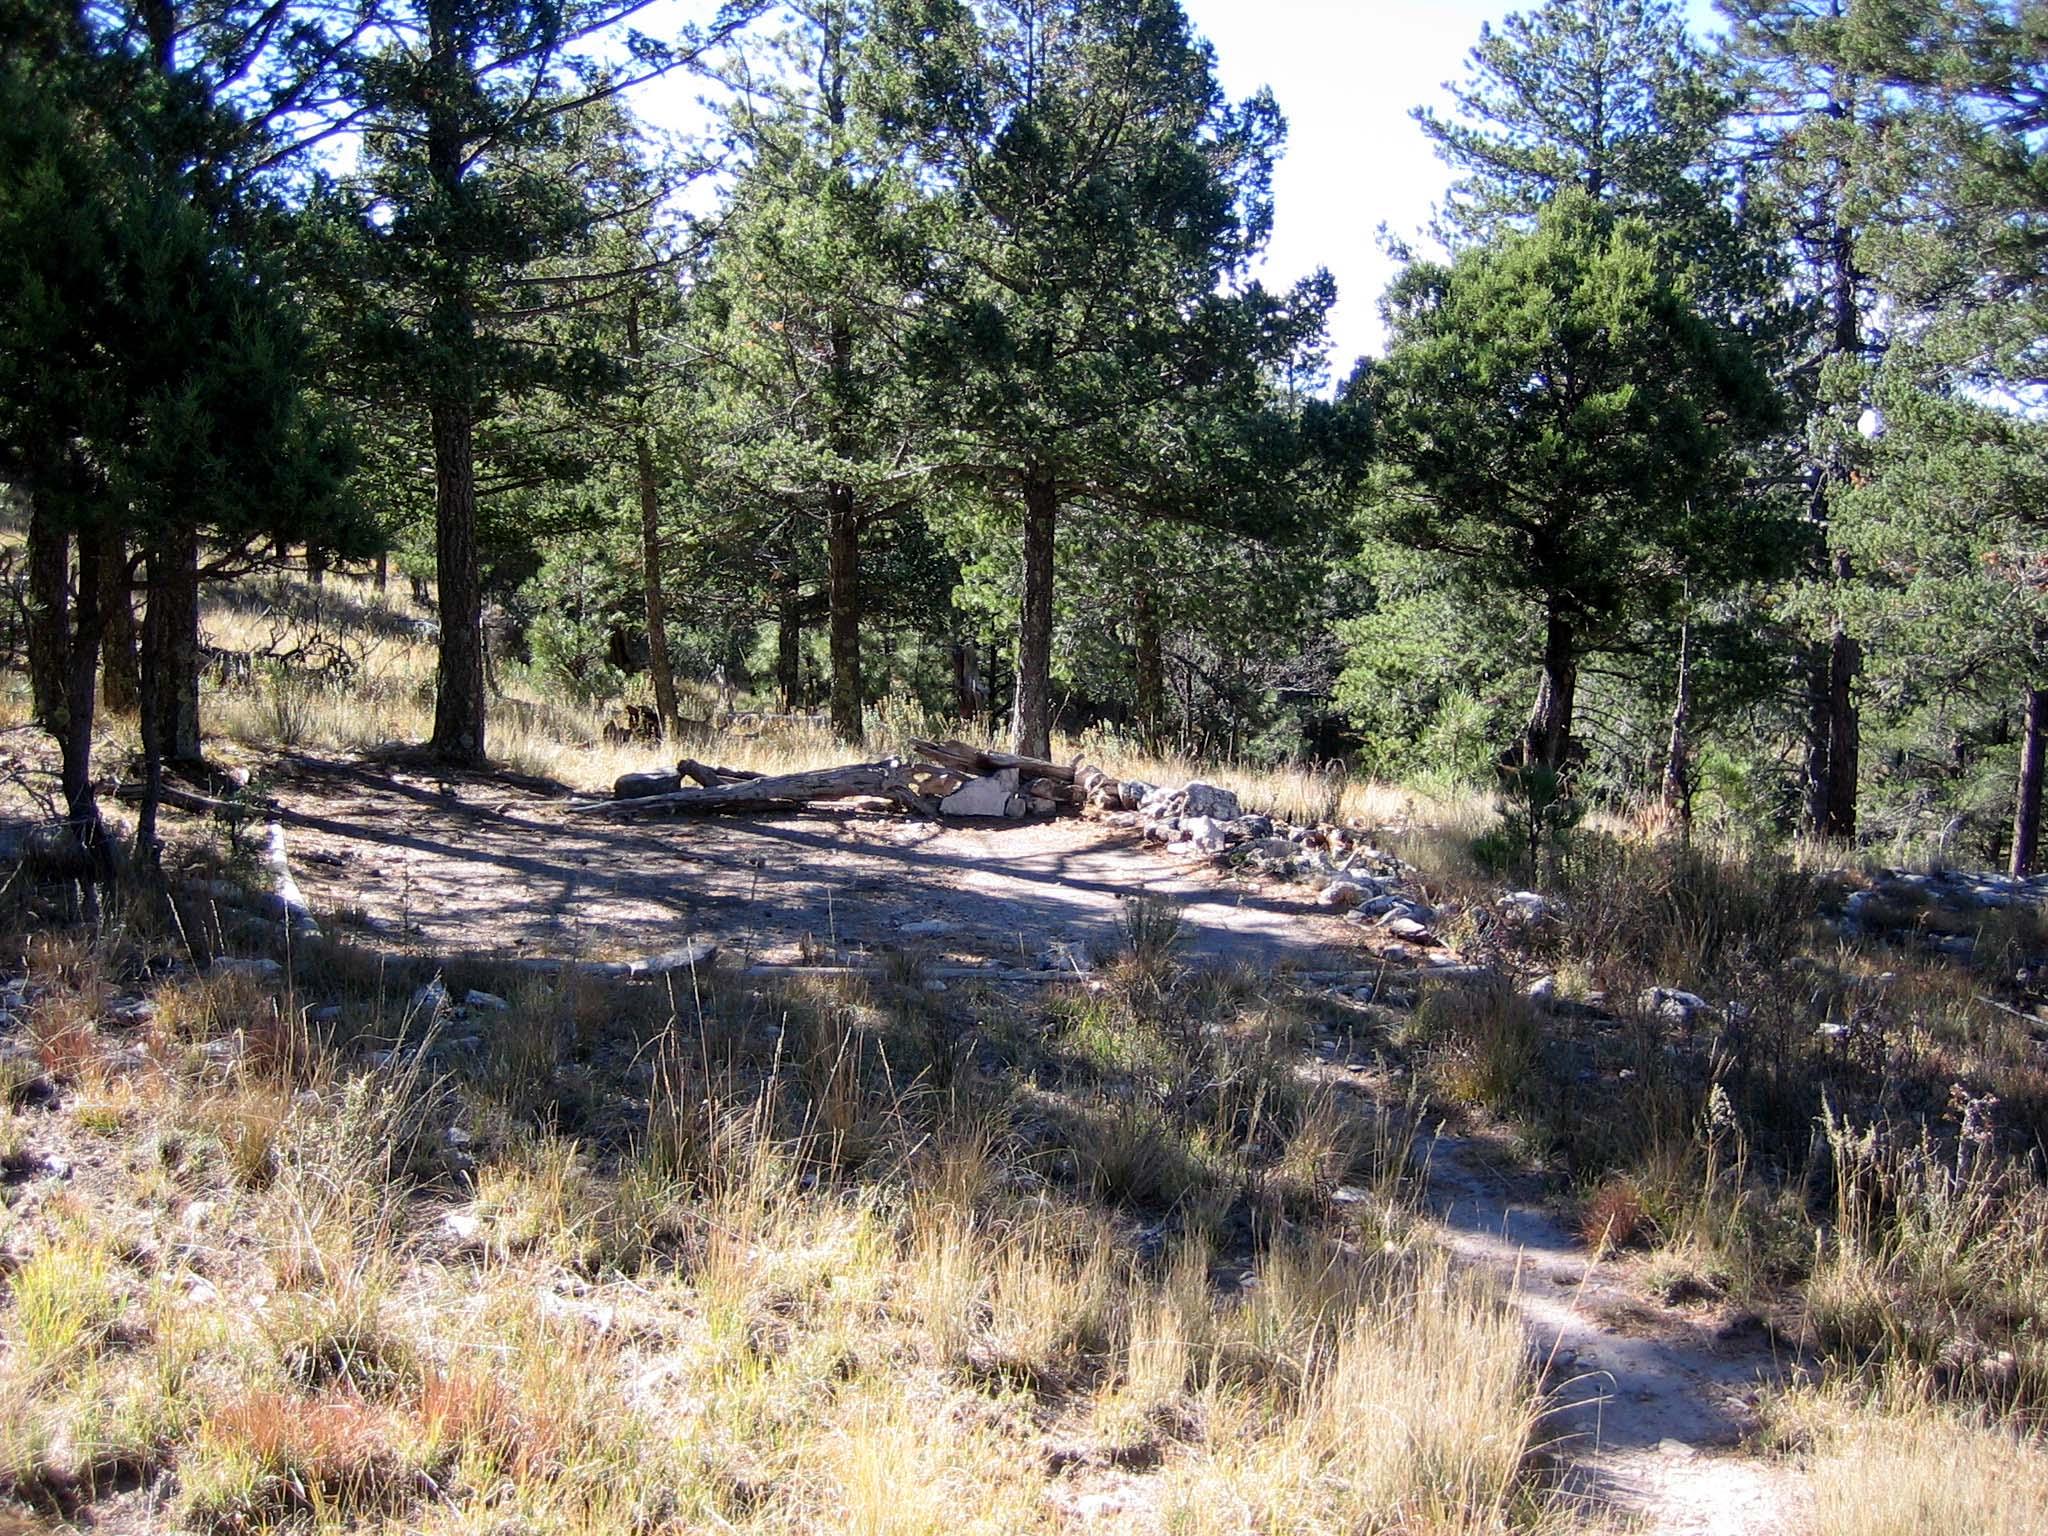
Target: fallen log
888,779
711,777
978,762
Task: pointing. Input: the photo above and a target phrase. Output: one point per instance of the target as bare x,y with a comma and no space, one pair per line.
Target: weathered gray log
711,776
888,779
979,762
637,786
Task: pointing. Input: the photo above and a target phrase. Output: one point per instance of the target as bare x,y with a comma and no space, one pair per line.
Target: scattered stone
1672,1005
1205,832
131,1011
485,1002
929,928
1409,929
1531,904
326,1013
1193,798
466,1227
1542,991
1345,894
692,956
257,969
431,999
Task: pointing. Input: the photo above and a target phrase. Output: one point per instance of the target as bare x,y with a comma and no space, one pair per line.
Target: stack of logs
946,778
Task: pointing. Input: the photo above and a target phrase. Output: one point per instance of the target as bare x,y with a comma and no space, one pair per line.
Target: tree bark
1031,717
969,683
120,668
151,713
172,670
1548,741
2026,816
1844,736
73,727
1148,668
49,614
842,553
660,669
381,573
1678,754
459,698
789,635
459,681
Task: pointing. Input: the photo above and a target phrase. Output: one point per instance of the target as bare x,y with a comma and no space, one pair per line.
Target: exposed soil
465,867
1654,1403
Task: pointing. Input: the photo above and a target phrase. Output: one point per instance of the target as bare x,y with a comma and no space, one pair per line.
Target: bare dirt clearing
454,867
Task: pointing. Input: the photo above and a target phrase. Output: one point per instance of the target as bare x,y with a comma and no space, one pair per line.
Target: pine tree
151,369
450,228
1096,203
1612,97
1558,421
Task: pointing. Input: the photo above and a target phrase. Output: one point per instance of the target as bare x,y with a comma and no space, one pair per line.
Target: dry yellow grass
719,1326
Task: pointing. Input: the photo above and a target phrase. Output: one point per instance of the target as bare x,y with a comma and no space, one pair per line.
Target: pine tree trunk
842,553
381,576
1814,777
1678,755
151,714
789,635
967,679
2026,816
73,727
459,693
660,669
1844,743
120,668
1550,723
1148,668
172,670
459,697
316,565
1031,718
49,614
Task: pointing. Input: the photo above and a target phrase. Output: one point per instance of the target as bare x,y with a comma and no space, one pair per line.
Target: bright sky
1346,73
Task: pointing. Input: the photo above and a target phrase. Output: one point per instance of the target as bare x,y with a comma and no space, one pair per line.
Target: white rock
1194,798
929,928
1344,894
1542,990
488,1002
692,956
1205,832
1531,904
986,796
431,999
463,1226
1671,1005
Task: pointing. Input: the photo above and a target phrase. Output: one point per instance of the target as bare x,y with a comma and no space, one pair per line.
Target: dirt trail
451,867
1651,1405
